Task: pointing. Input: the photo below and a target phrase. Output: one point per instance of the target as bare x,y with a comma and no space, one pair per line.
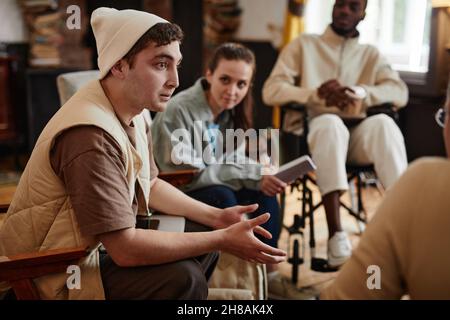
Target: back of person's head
243,112
122,34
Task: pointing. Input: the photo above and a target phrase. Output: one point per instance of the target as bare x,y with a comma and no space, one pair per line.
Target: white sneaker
339,249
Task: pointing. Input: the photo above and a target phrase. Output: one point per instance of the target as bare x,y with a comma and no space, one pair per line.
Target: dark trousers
185,279
224,197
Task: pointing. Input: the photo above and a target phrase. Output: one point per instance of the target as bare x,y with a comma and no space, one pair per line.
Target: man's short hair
365,3
161,33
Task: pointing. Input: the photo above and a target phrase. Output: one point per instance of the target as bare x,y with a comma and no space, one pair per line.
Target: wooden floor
307,277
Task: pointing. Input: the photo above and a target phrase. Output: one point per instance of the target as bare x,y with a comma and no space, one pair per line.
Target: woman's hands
271,185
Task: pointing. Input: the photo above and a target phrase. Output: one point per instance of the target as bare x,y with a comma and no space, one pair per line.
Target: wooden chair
178,178
20,270
4,207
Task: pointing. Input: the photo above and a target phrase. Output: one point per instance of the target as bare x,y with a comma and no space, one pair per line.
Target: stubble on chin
160,107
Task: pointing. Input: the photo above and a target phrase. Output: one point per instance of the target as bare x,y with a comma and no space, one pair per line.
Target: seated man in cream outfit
92,170
336,77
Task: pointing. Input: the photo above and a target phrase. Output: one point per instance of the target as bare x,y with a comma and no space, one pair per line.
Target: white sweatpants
377,140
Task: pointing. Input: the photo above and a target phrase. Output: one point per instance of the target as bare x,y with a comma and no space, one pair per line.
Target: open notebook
290,171
168,223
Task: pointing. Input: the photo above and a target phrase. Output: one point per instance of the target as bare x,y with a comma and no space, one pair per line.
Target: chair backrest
71,82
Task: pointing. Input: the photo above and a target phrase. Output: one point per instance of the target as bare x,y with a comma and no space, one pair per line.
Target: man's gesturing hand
232,215
239,239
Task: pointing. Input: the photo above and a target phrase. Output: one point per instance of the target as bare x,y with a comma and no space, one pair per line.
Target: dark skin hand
335,94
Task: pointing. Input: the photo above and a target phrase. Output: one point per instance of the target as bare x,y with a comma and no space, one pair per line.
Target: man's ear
119,69
363,16
208,75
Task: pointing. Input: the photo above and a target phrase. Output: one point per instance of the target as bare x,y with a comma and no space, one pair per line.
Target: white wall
261,20
12,27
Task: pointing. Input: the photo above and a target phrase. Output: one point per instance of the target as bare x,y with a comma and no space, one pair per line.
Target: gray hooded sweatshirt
185,136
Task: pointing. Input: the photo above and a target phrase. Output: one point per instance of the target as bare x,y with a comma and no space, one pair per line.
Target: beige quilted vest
41,216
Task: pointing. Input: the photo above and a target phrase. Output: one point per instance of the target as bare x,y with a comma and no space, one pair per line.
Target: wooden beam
36,264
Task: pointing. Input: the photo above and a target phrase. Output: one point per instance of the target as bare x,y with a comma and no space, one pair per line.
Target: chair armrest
295,106
4,207
36,264
178,178
386,108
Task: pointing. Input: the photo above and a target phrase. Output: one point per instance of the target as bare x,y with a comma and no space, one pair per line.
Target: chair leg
361,210
353,197
312,235
305,200
282,211
25,289
295,236
359,192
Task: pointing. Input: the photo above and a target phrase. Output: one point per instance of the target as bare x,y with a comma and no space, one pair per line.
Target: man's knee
383,126
328,132
382,121
328,126
189,281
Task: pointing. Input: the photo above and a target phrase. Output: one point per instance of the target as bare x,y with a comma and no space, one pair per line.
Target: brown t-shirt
91,165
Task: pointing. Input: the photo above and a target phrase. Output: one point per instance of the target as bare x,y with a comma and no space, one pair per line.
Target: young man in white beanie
92,172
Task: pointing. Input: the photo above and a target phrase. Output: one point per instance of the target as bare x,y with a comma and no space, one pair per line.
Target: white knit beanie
116,31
